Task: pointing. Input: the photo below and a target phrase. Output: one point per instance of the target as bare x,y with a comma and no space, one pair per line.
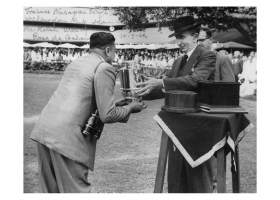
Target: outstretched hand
121,102
148,85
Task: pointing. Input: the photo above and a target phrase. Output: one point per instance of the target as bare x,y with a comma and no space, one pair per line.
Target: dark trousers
236,78
214,168
182,178
59,174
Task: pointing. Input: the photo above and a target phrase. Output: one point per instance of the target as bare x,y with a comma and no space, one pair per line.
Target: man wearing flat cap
196,64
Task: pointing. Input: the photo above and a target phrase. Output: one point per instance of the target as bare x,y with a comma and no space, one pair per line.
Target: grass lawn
127,154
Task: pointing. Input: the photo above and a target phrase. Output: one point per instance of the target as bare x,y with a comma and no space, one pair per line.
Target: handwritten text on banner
92,16
55,34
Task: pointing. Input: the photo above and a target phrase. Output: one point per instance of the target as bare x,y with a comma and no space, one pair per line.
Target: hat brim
184,29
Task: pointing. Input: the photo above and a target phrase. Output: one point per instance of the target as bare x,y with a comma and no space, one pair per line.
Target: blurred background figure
248,78
230,56
224,52
237,64
223,66
27,55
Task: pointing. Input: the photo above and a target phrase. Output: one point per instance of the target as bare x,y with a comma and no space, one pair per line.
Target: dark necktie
184,61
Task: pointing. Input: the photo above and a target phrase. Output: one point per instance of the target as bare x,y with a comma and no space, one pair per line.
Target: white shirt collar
190,52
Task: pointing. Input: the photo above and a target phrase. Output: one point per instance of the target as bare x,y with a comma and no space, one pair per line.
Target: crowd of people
245,66
248,76
50,58
155,63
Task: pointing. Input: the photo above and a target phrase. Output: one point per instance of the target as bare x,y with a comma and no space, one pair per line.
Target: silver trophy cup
128,78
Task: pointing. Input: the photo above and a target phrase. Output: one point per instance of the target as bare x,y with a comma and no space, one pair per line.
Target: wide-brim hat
183,24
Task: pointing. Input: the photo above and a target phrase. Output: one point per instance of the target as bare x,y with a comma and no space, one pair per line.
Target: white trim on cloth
176,142
231,143
243,133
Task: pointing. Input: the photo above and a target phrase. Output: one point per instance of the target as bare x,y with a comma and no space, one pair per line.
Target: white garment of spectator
116,57
76,56
79,54
50,57
66,57
72,57
56,55
164,64
249,75
136,57
145,61
170,62
39,57
249,70
35,56
158,62
45,56
84,54
151,63
119,60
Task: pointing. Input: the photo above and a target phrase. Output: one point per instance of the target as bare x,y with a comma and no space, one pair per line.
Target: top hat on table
179,101
183,24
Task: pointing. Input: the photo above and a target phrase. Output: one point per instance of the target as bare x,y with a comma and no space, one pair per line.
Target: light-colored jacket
63,118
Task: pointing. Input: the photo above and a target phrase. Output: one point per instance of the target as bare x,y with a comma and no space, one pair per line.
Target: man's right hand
137,106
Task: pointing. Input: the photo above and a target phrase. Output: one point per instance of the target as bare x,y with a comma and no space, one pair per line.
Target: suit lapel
176,68
191,63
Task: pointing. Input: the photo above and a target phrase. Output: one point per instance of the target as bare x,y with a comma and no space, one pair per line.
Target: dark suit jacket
224,68
238,67
63,118
200,66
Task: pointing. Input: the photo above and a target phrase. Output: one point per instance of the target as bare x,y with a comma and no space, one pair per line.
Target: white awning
43,44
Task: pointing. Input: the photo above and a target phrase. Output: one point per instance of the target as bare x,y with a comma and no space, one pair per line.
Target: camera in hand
94,126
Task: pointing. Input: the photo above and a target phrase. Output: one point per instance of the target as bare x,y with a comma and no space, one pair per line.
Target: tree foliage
216,18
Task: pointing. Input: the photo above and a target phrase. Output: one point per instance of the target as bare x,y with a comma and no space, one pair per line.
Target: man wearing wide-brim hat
196,64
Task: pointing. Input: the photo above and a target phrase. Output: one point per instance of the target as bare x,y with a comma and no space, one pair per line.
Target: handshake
135,106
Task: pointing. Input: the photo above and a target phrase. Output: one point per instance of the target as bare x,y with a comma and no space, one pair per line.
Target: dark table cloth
199,135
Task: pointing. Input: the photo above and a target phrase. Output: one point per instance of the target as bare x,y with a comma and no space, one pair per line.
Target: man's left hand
149,85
